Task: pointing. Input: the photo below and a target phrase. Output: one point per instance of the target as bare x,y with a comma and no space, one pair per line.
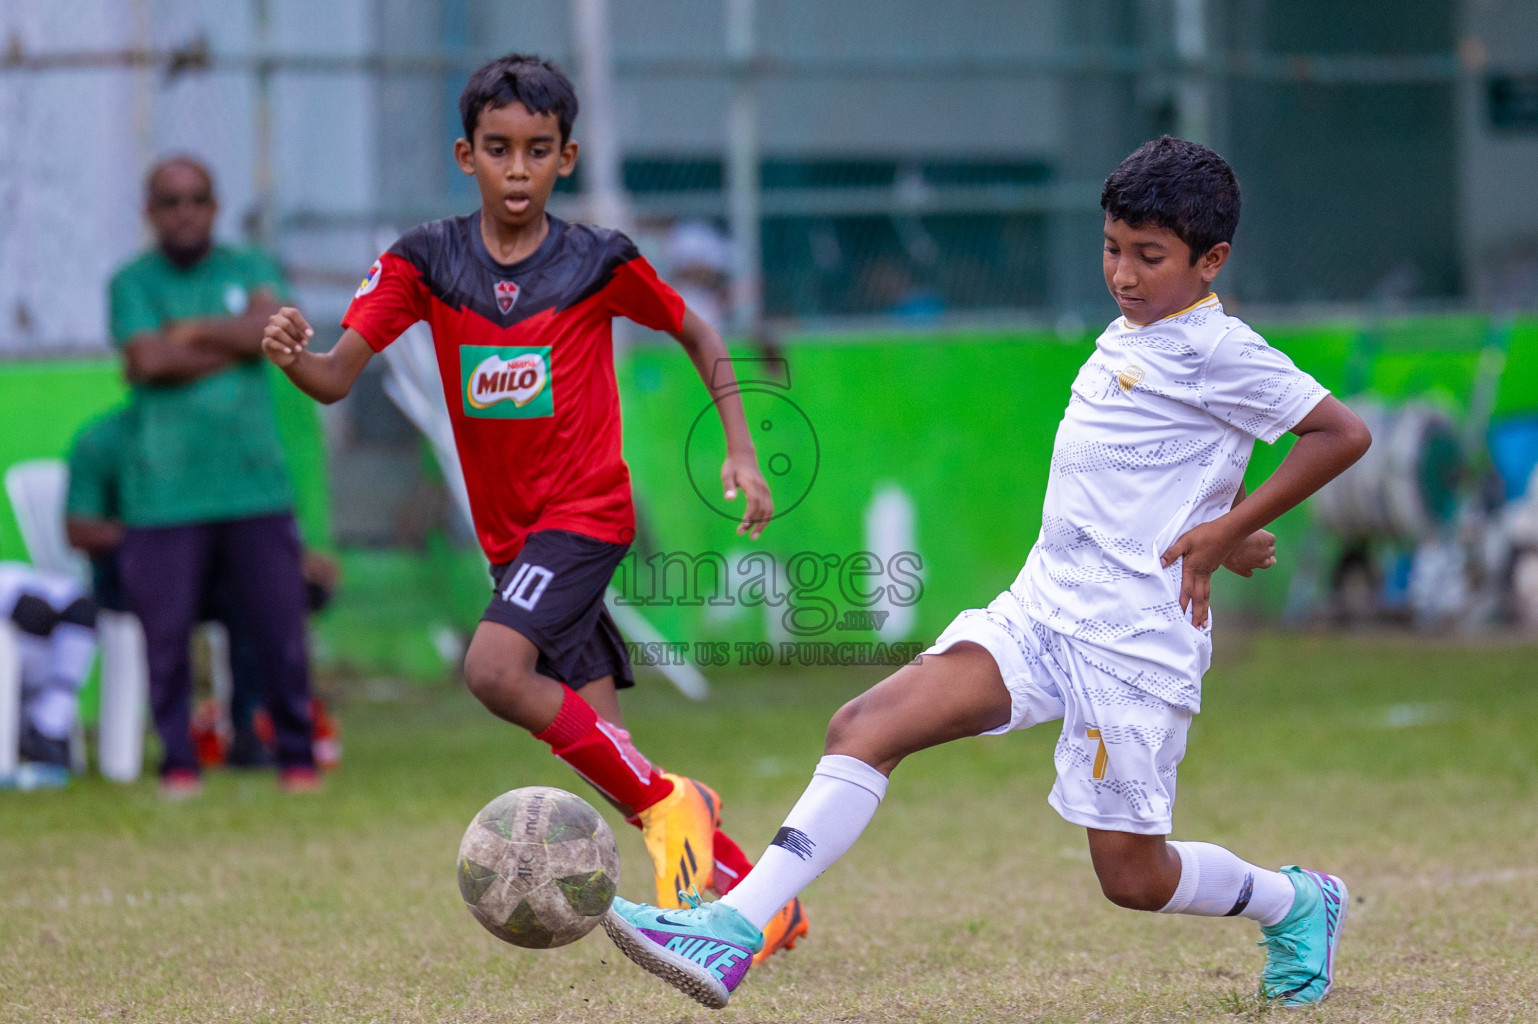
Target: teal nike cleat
1300,949
703,950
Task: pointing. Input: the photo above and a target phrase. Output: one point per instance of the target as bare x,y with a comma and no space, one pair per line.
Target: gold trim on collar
1210,296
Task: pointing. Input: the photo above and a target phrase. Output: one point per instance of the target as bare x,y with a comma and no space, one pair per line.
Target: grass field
1409,767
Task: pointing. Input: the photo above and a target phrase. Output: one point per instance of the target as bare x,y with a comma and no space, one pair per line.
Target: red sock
601,752
732,865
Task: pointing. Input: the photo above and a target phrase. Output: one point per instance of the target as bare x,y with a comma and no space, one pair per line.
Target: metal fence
892,160
794,167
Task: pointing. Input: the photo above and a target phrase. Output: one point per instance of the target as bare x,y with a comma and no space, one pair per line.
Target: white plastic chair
124,693
37,489
10,699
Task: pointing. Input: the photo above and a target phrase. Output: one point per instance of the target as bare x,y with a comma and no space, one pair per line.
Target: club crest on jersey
507,294
506,383
1129,377
371,281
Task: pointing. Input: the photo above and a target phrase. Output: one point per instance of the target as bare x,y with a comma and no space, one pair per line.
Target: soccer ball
538,867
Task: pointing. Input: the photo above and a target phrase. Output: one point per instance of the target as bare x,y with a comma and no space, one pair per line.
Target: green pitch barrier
965,431
960,425
44,403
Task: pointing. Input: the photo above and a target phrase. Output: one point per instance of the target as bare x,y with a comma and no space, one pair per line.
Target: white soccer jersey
1158,432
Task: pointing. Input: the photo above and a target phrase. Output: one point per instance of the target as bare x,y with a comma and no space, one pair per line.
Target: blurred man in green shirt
204,493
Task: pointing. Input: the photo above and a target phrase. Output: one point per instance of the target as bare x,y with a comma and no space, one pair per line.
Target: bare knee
503,686
1133,893
486,678
855,730
1139,872
845,726
1134,884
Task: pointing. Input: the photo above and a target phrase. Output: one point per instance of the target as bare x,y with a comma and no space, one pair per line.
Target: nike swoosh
662,919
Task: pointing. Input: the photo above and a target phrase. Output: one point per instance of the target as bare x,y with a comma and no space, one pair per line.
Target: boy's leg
939,698
787,927
1301,913
501,671
705,952
1117,760
677,816
547,626
1148,873
732,865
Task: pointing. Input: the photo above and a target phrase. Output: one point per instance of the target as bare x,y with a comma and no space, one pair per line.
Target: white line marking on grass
1403,716
104,898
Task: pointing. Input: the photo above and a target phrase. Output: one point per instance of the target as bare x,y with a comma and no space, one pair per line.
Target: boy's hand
286,336
740,473
1257,551
1203,549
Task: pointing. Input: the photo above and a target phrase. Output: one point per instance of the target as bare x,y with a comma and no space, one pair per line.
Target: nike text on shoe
1300,949
704,950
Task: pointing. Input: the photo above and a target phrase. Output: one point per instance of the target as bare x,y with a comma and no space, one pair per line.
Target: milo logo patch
506,383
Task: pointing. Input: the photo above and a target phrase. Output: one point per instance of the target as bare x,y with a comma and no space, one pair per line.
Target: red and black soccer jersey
525,351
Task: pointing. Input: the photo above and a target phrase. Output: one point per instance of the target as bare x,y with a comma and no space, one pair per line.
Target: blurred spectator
204,493
698,259
93,523
889,286
93,509
55,626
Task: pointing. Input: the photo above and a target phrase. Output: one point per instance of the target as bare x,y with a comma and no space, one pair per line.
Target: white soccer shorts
1119,748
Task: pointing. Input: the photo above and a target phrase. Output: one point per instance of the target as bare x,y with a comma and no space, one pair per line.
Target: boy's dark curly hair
538,84
1179,185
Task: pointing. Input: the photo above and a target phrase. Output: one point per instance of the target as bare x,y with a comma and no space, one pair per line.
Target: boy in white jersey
1107,626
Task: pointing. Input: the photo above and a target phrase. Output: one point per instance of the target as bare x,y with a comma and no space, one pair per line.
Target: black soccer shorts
552,593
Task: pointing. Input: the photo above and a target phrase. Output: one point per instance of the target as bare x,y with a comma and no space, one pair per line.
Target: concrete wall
964,114
74,144
78,142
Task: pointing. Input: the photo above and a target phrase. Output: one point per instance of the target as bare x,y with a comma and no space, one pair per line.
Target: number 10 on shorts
527,585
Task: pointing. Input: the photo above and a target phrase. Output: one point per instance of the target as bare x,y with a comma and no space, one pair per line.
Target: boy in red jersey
521,307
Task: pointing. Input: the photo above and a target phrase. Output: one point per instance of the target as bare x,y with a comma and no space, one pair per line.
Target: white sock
1215,883
829,817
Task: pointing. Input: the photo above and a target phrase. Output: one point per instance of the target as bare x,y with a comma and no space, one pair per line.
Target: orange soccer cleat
782,932
679,831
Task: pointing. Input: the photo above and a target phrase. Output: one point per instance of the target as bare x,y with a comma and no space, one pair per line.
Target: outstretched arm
1330,438
326,377
740,470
